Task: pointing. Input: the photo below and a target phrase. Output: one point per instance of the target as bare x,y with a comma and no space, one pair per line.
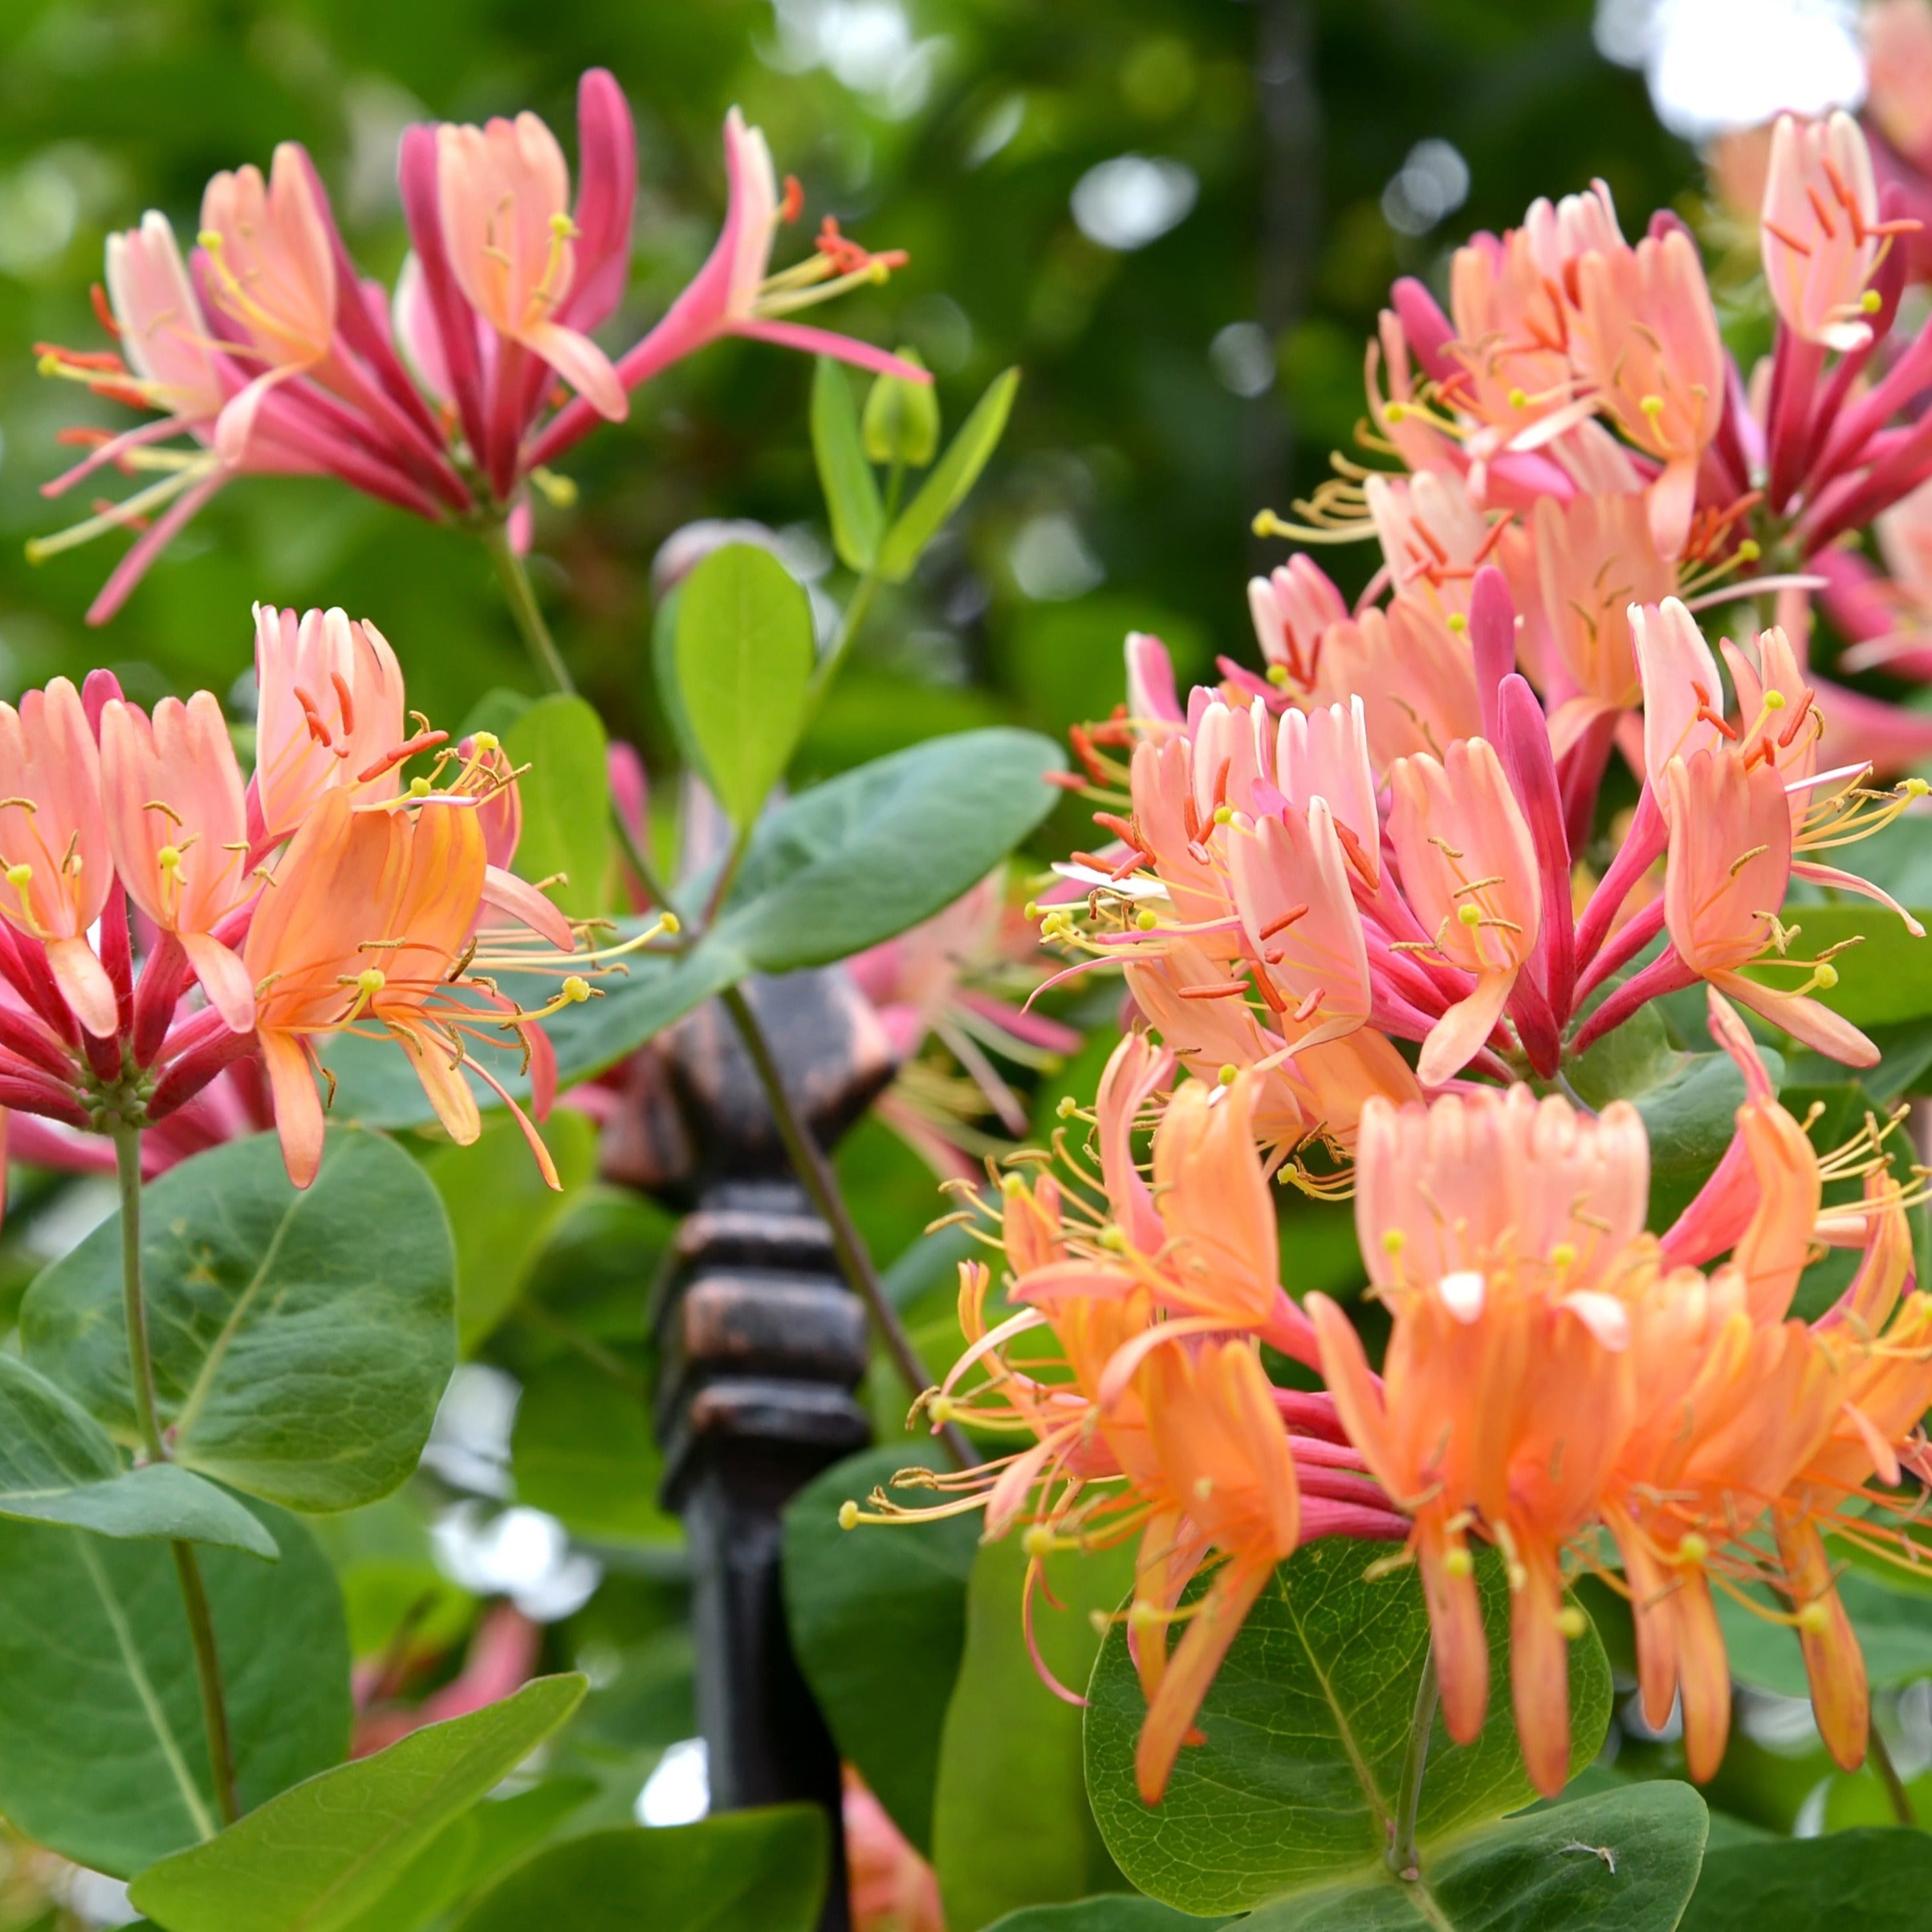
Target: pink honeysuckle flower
1293,607
502,190
177,823
54,855
1469,873
1897,36
1683,690
1822,230
329,715
736,294
1646,341
1322,752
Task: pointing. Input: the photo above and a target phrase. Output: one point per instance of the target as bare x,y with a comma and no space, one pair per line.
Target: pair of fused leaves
301,1342
392,1840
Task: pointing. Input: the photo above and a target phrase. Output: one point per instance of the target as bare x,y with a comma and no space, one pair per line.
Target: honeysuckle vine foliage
1533,904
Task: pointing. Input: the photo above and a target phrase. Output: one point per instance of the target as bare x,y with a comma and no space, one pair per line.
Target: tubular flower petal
1821,229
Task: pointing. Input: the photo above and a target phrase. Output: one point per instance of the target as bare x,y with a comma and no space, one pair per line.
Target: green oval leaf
582,1450
742,658
946,487
103,1755
1306,1726
566,800
313,1858
301,1339
852,495
57,1465
1885,978
878,1620
755,1871
1876,1880
1111,1912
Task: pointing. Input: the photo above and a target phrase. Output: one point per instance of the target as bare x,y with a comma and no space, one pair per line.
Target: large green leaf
1010,1822
1885,978
756,1871
1111,1912
318,1856
1306,1726
1894,1629
103,1755
742,658
1867,1880
567,801
501,1210
301,1339
878,1620
1621,1861
57,1465
582,1449
946,487
852,495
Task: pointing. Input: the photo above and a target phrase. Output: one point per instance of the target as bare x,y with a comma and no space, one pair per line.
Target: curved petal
84,984
224,979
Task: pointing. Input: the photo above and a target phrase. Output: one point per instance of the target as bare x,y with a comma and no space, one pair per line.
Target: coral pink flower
1822,236
892,1889
1470,874
1646,341
504,191
1898,36
178,824
54,855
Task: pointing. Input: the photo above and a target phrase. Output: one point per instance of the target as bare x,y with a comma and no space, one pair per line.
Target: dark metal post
761,1345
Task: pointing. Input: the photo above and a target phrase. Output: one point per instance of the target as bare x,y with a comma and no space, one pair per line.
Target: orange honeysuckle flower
1821,232
178,824
271,272
1502,1232
504,194
1645,339
366,926
1469,871
1510,344
55,854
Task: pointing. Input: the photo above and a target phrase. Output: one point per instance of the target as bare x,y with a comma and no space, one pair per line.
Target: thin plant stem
857,609
1887,1774
1402,1859
816,1176
187,1565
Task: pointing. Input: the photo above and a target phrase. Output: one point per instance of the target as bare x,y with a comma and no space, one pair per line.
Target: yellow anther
1068,1107
370,980
1694,1549
1393,1242
18,877
1223,815
1519,399
419,787
1914,788
1571,1622
670,923
575,989
1146,919
1030,911
1395,412
485,741
1229,1075
1457,622
1113,1241
1774,701
1871,302
848,1516
1750,551
1564,1255
1825,976
941,1408
1458,1562
1652,406
1469,915
1814,1617
1038,1541
562,226
169,857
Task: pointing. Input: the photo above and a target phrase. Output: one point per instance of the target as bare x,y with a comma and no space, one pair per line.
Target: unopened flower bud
901,420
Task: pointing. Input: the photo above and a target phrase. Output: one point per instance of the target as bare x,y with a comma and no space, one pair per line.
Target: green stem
187,1565
523,606
817,1177
857,609
1887,1773
1402,1859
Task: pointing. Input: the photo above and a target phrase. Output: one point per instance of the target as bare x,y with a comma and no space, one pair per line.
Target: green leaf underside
103,1755
743,656
58,1465
1306,1724
566,800
753,1871
1622,1861
851,494
1873,1880
877,1618
833,870
949,481
302,1340
1011,1825
321,1854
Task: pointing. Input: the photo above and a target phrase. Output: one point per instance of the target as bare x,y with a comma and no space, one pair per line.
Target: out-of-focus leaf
1894,1632
104,1757
945,486
566,800
1885,979
1010,1822
743,655
57,1465
1306,1726
501,1211
878,1621
317,1856
582,1449
852,495
302,1337
753,1871
1876,1880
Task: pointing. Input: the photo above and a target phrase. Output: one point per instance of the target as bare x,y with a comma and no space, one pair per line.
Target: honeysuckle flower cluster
165,924
271,353
1370,907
